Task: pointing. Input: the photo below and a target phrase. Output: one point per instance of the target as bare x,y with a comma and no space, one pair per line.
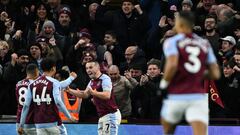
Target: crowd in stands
127,42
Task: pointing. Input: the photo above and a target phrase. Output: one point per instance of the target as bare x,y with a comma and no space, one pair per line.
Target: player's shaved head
31,68
95,63
32,71
187,18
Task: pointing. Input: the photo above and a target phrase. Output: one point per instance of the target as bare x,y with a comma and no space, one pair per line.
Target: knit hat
188,2
85,33
65,10
41,39
49,24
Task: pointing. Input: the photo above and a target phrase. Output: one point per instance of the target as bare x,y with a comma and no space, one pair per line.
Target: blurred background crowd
125,37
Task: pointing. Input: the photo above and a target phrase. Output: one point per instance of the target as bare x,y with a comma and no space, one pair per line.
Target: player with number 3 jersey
188,57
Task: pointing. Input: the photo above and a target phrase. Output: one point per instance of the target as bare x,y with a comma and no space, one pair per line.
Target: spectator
36,55
66,28
49,49
229,86
202,11
237,63
134,56
49,31
122,88
111,44
187,5
5,53
36,22
55,6
76,51
149,85
14,71
227,44
130,25
211,34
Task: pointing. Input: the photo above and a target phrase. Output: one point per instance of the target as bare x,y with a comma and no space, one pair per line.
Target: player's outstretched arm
58,100
64,84
78,93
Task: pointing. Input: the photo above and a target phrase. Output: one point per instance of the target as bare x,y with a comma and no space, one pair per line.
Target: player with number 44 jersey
44,97
188,57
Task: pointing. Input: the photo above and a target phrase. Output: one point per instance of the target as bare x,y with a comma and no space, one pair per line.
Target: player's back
21,89
192,56
45,109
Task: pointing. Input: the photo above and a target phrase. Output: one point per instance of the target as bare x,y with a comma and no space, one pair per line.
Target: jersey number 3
44,97
193,65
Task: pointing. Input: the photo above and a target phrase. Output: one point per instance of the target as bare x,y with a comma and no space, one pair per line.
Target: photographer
151,102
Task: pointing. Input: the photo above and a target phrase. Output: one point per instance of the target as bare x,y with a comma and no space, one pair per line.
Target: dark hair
112,33
188,16
47,64
31,68
154,62
63,74
39,4
229,63
212,16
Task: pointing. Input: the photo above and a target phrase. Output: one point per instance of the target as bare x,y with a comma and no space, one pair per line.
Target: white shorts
28,129
48,131
63,130
193,106
108,124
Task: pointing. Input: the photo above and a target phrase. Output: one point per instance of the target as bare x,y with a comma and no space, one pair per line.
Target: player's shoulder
201,39
104,76
52,79
174,39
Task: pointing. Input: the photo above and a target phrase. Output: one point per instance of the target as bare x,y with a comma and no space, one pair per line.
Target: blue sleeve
64,84
26,107
58,99
170,47
210,56
107,84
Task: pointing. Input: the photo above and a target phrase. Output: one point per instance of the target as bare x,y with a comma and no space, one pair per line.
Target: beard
210,30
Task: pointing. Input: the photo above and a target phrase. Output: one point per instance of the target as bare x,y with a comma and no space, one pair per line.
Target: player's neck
98,74
31,77
48,74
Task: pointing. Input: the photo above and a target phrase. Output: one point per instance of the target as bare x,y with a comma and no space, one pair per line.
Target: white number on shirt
44,97
194,64
22,91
